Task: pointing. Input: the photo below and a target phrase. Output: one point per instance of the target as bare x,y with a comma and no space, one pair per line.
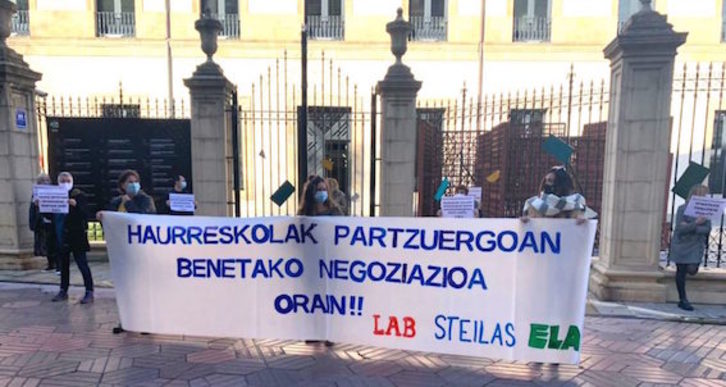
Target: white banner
181,202
52,199
496,288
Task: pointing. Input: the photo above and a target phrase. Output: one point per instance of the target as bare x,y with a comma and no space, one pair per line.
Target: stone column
398,127
636,159
19,164
210,93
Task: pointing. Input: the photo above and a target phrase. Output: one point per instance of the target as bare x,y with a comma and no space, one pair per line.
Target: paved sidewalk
710,314
68,344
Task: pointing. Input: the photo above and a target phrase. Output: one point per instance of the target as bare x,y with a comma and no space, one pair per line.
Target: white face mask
67,185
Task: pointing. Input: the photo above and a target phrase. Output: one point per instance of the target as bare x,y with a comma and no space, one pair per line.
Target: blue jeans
82,262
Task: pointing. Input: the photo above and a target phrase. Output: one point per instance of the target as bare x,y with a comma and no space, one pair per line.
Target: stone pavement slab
68,344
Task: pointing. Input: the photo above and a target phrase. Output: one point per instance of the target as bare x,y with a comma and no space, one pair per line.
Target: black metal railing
428,29
230,26
21,23
532,29
325,27
115,24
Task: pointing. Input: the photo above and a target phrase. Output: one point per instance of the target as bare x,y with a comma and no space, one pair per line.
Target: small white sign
181,202
475,192
457,206
707,207
52,199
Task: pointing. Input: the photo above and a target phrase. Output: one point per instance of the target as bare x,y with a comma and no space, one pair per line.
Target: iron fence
532,29
428,28
340,139
122,24
21,23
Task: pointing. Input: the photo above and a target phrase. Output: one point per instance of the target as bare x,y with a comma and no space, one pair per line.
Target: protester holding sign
180,188
339,197
557,198
72,229
689,240
44,239
461,205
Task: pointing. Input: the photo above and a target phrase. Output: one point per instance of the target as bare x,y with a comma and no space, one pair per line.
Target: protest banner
181,202
496,288
707,207
458,206
52,199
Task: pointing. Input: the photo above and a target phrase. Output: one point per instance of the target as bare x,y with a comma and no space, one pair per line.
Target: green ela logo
541,336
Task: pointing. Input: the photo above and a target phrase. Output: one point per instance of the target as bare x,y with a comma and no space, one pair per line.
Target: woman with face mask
690,236
557,198
180,187
316,199
316,202
132,199
45,243
72,232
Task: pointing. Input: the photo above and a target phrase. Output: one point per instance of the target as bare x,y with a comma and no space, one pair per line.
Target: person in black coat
180,187
44,239
72,234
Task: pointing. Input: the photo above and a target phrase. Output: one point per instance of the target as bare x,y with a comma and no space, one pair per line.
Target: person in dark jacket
133,199
72,232
44,239
690,236
180,187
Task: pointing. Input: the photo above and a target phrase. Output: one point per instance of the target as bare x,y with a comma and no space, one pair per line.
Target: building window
428,18
324,19
532,21
628,8
229,16
21,19
115,18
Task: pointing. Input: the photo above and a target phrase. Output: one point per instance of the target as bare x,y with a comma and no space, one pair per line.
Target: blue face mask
183,185
133,188
321,196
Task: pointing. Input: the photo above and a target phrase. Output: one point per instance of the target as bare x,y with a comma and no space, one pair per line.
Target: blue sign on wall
21,119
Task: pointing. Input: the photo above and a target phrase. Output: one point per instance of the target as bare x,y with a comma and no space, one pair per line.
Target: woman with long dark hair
316,199
557,198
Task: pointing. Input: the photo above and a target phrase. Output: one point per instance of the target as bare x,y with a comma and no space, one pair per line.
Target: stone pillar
398,127
636,159
19,164
210,93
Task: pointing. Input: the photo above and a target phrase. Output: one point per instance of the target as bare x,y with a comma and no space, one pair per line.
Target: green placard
559,149
442,189
693,175
282,193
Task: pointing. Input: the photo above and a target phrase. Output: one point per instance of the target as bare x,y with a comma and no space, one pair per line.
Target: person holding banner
316,200
557,199
690,237
72,231
44,239
133,199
